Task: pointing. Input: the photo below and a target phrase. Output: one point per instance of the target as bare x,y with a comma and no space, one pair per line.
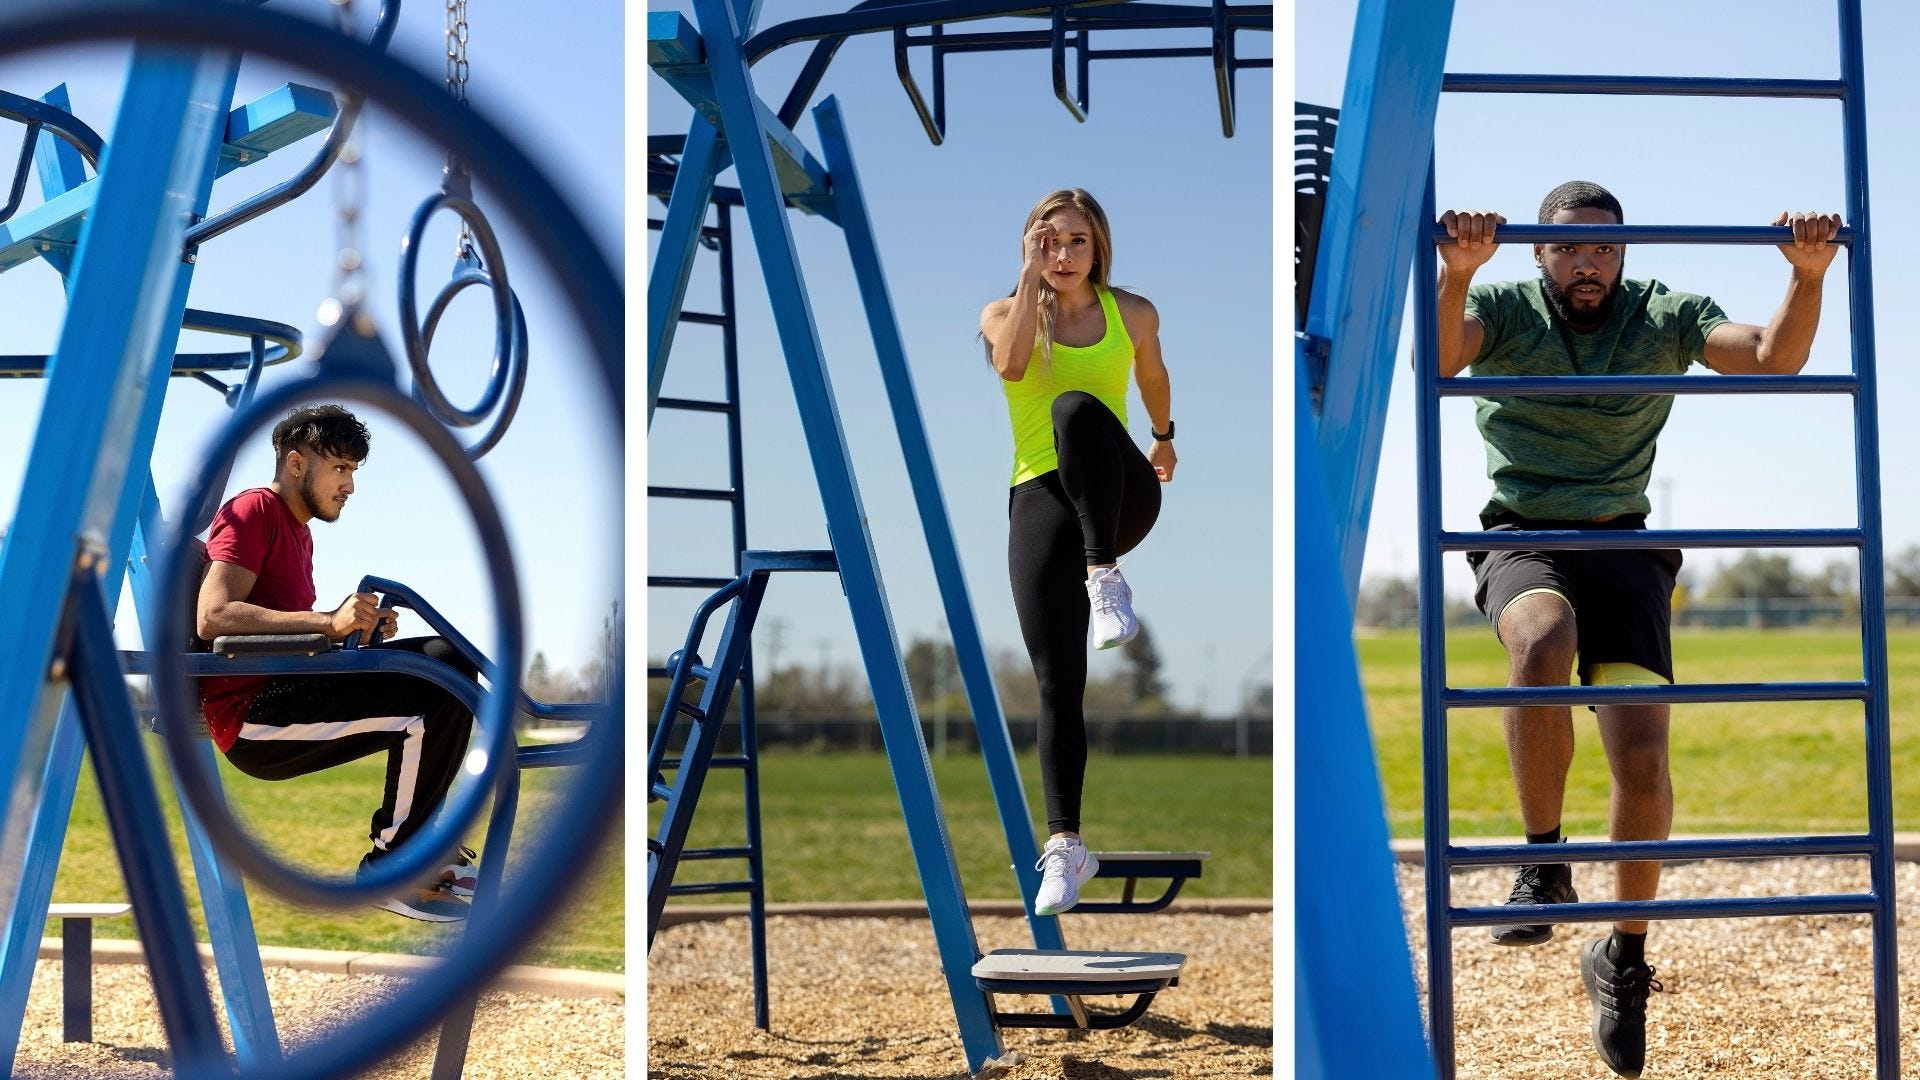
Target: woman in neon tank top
1082,492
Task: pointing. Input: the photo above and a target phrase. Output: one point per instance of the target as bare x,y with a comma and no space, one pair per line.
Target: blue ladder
1871,691
668,845
662,174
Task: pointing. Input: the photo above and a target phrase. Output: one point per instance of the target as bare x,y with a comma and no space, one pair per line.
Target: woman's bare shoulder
1137,311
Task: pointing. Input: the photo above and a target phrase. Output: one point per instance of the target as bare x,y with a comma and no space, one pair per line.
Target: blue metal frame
1871,690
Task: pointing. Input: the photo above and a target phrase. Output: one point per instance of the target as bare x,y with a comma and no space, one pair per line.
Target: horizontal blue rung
732,761
716,853
709,887
1630,539
1745,847
754,560
1674,86
1635,910
669,581
704,318
694,405
661,792
1693,694
1555,385
708,494
1643,234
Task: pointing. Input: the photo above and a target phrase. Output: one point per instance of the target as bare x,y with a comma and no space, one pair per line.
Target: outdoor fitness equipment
710,68
85,507
1353,946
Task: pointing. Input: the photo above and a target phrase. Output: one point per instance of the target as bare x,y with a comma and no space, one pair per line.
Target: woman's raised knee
1073,407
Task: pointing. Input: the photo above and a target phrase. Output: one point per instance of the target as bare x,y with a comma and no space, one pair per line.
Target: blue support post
1873,616
846,526
1356,1009
77,474
1366,246
976,672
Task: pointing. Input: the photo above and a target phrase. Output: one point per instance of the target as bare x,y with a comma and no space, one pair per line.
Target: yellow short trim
1624,675
1535,591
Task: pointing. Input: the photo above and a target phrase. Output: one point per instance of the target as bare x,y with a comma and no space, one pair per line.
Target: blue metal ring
425,387
413,861
516,375
593,293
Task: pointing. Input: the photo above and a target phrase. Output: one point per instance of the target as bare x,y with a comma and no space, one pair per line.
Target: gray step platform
1073,974
1132,866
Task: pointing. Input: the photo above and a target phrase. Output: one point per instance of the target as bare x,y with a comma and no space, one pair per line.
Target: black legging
1097,506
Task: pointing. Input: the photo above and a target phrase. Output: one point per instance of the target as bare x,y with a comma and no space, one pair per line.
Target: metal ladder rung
717,853
1641,539
708,888
689,709
1488,697
708,494
660,792
694,405
703,318
734,761
1661,85
674,581
1719,907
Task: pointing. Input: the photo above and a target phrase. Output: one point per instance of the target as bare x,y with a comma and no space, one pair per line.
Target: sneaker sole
1520,937
414,913
1117,642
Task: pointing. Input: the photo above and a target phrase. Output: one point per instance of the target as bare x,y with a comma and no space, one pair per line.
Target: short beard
1563,307
313,503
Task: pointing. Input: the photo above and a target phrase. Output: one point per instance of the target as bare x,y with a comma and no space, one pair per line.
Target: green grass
320,822
1772,767
833,829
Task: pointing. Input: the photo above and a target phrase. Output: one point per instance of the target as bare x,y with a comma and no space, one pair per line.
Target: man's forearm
1451,312
1788,339
240,617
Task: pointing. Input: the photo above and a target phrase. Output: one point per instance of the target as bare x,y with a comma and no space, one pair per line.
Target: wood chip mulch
1786,998
515,1035
862,997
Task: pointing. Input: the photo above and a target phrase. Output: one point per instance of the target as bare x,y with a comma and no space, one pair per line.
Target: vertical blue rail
1877,844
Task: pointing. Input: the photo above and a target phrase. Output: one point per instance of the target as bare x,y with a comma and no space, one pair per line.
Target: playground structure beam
254,130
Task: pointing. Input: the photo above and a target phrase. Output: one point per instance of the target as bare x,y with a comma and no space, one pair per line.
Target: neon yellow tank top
1100,369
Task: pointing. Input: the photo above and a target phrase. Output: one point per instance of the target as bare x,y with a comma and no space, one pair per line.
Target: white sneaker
1065,865
1112,600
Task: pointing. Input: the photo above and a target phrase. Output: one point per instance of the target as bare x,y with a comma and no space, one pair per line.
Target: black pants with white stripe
300,724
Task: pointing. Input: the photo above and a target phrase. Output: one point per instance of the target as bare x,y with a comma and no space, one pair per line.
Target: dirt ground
515,1035
862,997
1781,998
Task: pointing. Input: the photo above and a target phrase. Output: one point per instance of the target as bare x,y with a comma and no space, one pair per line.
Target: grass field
833,829
320,822
1739,768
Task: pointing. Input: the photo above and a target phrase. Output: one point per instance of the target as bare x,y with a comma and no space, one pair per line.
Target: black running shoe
1544,883
1619,997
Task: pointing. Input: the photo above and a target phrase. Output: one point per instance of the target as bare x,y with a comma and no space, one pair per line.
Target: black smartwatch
1158,437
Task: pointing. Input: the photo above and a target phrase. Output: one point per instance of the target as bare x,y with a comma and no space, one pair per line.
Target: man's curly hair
321,430
1579,195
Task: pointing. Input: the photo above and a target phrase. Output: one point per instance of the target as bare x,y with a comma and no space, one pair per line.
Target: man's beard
1562,305
313,502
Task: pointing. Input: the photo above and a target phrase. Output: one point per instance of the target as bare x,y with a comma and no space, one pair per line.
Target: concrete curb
1906,846
915,909
551,982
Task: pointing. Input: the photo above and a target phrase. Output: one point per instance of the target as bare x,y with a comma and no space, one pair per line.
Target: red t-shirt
256,532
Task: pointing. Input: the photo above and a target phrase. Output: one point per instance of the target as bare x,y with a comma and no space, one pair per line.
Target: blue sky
552,74
1192,215
1723,462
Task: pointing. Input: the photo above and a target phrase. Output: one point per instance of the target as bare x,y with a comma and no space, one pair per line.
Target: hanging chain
349,195
457,33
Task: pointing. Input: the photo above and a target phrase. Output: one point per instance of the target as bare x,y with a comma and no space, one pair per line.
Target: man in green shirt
1582,462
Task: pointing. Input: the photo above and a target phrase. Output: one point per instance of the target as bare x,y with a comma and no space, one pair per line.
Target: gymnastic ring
413,861
589,288
468,273
425,386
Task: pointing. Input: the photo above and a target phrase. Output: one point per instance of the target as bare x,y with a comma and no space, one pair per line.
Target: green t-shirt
1580,457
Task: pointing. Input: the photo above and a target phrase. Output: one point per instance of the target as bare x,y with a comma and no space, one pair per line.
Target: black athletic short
1622,599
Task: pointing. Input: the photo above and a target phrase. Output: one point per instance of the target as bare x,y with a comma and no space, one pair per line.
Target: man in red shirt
259,580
